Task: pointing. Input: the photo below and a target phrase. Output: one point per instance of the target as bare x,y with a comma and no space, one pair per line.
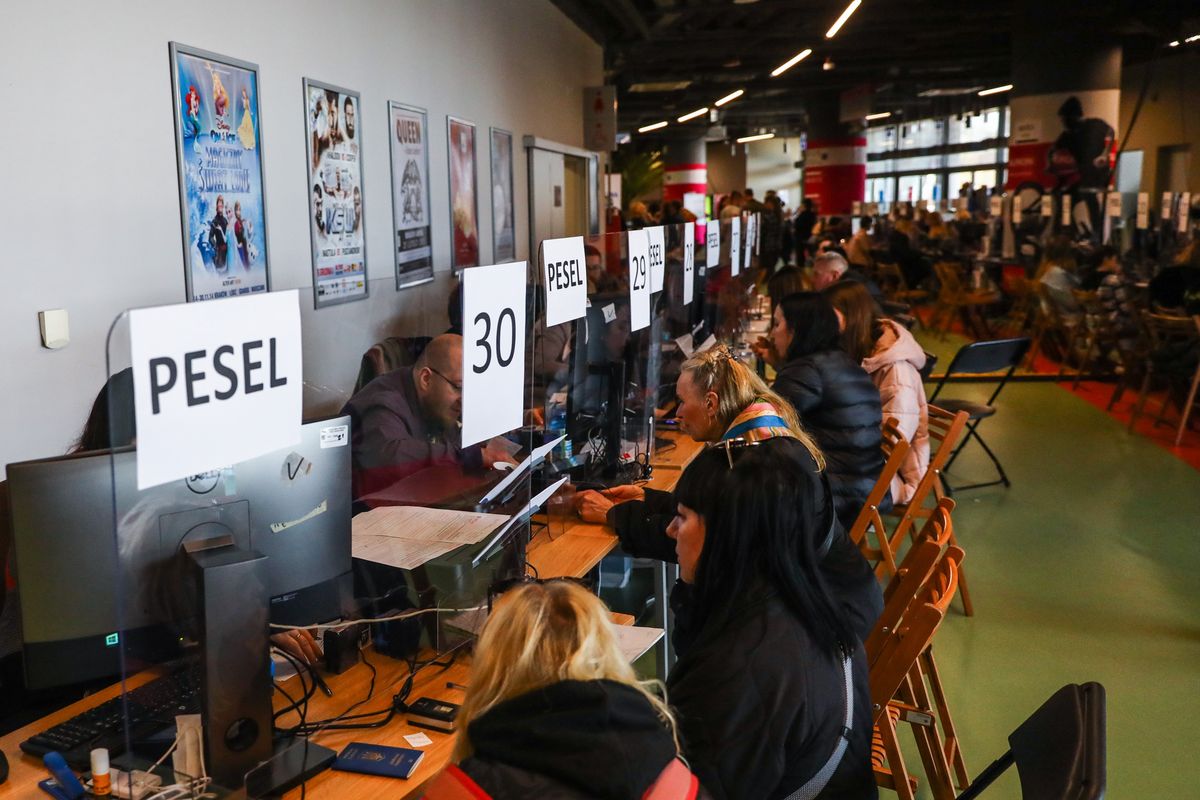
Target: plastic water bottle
557,427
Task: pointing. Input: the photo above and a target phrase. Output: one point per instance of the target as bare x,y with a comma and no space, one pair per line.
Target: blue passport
376,759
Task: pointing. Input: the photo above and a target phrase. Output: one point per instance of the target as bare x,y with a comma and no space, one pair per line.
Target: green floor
1087,569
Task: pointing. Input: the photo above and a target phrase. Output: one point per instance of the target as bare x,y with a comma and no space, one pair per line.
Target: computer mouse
3,768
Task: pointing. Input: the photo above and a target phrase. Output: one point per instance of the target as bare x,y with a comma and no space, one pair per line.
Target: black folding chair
981,358
1060,751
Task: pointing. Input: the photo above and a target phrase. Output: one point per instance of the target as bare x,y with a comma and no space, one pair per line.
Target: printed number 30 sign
493,350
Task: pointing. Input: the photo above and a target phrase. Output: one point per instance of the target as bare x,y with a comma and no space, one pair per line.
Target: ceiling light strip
837,26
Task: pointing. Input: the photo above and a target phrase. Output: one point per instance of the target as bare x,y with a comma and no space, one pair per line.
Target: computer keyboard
151,708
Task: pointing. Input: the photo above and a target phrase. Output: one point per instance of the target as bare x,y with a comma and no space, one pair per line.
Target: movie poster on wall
464,211
218,146
335,194
408,131
504,239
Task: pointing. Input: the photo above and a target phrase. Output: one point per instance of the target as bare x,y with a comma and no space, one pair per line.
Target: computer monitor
86,595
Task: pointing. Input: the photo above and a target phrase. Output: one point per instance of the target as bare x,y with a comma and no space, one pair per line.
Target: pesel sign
493,350
214,383
565,278
658,256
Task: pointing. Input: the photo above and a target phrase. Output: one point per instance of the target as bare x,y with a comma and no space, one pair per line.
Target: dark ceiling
899,48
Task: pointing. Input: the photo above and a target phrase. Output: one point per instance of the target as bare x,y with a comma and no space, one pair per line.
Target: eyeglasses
731,446
457,387
500,587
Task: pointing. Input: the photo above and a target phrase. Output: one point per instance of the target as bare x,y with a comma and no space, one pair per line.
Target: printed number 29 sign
639,279
493,350
689,262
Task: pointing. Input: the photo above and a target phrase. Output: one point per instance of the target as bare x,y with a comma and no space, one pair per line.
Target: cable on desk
337,626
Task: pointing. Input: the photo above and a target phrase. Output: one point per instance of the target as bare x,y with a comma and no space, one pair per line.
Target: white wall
90,208
769,167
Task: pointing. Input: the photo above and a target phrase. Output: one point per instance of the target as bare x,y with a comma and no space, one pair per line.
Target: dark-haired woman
834,397
768,656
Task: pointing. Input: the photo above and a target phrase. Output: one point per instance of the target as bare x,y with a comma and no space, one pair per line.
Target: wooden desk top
567,547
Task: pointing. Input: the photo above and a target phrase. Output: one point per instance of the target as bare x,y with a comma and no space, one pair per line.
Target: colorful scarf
759,420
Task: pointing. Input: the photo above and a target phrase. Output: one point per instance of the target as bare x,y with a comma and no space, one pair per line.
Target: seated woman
834,397
894,360
555,710
720,399
770,689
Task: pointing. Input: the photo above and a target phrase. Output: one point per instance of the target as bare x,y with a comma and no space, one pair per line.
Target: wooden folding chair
898,655
928,696
895,449
955,299
1170,339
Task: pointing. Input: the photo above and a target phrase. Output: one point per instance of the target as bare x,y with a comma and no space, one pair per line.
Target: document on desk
406,537
634,641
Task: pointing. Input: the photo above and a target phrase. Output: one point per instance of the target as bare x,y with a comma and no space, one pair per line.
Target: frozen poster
464,212
408,131
218,136
503,224
335,194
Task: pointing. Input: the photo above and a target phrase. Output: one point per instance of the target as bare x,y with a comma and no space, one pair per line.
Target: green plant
641,173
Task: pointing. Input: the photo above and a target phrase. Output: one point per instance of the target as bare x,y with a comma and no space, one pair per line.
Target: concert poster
464,210
408,131
335,193
504,247
218,147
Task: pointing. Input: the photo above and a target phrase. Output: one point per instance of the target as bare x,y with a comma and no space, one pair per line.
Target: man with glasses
408,419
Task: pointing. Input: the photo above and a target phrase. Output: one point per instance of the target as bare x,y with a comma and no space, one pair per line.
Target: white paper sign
658,256
689,262
1065,216
493,350
565,277
1166,206
1143,211
996,205
639,279
215,383
610,314
1113,204
1181,213
735,245
1047,205
712,244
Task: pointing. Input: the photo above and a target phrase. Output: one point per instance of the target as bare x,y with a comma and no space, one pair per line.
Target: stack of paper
406,537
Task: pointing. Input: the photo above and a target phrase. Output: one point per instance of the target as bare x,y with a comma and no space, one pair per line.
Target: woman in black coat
767,654
836,399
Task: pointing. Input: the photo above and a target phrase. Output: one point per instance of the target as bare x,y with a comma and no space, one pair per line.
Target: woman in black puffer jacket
835,398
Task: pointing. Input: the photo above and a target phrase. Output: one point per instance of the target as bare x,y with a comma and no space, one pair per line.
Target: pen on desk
453,685
317,679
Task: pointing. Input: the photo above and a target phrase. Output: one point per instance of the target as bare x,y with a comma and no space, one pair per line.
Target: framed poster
335,194
408,131
504,242
464,211
218,149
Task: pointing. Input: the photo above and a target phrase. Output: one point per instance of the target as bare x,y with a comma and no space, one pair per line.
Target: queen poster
218,138
464,209
335,194
409,134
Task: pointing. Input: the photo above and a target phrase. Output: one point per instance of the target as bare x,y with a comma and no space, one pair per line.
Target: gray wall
90,209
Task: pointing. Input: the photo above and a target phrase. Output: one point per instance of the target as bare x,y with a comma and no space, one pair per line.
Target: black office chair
1060,751
981,358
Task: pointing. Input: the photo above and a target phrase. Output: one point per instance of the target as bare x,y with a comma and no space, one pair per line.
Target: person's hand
535,416
623,494
495,450
592,506
300,645
764,348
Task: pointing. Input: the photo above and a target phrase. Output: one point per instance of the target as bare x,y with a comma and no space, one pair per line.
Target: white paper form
405,537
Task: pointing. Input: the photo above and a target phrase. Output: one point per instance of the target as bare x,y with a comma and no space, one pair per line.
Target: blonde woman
555,710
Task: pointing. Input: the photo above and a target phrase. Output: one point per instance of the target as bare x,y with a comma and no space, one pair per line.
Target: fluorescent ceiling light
837,26
730,97
791,62
949,92
1191,39
1174,43
996,90
660,86
880,115
760,137
698,112
654,127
